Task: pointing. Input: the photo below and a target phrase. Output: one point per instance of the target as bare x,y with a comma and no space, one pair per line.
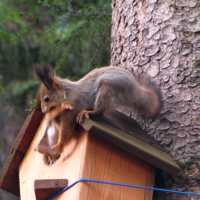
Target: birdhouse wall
87,156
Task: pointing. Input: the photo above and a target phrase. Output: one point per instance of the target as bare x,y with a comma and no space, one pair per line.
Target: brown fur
100,90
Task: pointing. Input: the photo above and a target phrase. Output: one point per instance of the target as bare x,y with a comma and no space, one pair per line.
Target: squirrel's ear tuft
45,74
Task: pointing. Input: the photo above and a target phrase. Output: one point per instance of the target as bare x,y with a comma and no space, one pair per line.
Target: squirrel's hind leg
101,104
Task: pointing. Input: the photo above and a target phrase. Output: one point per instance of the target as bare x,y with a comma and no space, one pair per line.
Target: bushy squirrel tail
150,100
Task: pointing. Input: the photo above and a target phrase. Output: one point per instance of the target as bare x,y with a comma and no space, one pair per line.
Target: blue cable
120,184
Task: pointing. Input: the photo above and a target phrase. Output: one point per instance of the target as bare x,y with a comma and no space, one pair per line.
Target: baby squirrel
100,90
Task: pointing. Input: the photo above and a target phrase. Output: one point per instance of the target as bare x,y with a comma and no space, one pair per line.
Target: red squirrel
100,90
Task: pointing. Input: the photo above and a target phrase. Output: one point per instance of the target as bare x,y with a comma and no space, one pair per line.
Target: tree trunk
162,38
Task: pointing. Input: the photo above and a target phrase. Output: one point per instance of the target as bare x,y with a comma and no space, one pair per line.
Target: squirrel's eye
46,99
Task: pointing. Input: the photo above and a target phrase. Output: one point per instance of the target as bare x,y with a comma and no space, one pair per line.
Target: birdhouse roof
126,133
115,127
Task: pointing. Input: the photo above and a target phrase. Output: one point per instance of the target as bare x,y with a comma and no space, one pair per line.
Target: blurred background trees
73,36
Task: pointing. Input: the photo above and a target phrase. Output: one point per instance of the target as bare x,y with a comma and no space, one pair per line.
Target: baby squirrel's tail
150,99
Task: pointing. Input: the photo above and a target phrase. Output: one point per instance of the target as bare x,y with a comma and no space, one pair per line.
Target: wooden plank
28,130
68,166
46,188
9,178
130,126
121,119
149,183
110,163
133,145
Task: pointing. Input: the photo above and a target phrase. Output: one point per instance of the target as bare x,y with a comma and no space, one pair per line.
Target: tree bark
162,38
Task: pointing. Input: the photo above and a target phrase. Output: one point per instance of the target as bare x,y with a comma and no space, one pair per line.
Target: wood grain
131,143
110,163
85,156
9,179
45,188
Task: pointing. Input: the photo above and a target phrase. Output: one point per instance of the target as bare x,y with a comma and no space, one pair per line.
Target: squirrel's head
50,90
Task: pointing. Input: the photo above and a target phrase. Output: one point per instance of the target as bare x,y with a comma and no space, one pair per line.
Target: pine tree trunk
162,38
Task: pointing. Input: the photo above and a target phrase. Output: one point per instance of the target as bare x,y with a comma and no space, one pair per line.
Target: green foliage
1,85
73,36
19,88
83,30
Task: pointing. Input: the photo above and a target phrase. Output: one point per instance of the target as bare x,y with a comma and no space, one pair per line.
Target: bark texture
162,38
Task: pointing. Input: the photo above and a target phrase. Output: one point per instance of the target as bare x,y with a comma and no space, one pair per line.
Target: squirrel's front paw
81,116
67,107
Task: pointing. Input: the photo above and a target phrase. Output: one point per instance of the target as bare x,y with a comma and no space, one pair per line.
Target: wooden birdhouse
113,148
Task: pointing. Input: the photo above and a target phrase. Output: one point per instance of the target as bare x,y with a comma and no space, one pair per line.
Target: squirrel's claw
67,107
81,116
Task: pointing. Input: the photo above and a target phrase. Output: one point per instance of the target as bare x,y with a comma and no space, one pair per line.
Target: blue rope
119,184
